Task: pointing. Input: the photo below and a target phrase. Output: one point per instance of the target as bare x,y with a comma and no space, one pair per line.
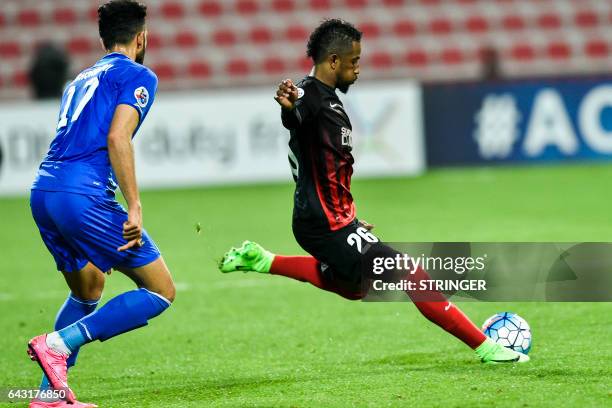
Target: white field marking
49,294
245,283
476,176
182,286
265,281
6,296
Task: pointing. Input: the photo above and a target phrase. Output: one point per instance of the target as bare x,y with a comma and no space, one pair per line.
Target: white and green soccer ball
510,330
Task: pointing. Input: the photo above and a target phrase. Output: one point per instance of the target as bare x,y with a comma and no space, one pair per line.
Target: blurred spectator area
217,43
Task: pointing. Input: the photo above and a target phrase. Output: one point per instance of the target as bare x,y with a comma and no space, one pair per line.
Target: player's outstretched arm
294,111
121,153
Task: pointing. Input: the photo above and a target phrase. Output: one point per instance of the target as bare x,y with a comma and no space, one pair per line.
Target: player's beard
344,87
140,56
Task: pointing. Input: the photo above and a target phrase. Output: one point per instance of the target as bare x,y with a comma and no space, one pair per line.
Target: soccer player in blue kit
73,202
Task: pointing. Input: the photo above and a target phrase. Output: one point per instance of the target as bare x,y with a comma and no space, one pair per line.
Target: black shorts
343,253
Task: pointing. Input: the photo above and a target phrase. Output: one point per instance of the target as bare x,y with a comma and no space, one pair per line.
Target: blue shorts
79,228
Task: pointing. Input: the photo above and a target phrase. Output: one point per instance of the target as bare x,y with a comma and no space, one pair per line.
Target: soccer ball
510,330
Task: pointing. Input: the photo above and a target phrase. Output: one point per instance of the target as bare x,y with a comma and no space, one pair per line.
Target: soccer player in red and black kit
324,216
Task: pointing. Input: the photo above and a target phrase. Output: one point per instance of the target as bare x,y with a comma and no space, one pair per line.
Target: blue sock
71,311
74,336
123,313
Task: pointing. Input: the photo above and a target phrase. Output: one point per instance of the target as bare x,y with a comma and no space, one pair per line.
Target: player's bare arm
286,94
121,153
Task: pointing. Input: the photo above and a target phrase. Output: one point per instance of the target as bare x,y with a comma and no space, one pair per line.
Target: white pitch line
180,287
6,296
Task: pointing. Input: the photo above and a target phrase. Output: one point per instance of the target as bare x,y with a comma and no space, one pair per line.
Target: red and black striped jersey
320,157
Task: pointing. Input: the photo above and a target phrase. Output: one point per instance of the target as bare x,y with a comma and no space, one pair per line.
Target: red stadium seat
452,56
381,60
369,29
393,3
477,24
154,41
596,48
356,4
199,69
237,67
296,33
224,37
320,5
29,17
247,6
513,22
92,13
210,8
164,71
586,19
260,35
440,26
65,16
172,10
549,21
20,78
79,45
522,52
186,39
10,49
304,64
404,28
283,6
388,22
559,50
274,65
416,58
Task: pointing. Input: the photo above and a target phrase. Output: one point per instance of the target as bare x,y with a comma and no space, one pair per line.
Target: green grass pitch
251,340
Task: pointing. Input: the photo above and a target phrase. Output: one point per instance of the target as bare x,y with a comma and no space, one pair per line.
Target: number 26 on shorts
356,238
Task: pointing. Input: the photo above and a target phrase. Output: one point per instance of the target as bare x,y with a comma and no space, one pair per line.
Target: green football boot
494,353
250,257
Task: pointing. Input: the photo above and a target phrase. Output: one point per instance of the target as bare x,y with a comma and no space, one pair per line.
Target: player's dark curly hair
119,21
332,36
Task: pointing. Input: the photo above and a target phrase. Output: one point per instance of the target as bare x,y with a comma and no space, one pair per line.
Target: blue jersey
78,160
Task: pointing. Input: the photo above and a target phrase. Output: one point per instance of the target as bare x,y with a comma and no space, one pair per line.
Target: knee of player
168,291
92,294
88,295
90,291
